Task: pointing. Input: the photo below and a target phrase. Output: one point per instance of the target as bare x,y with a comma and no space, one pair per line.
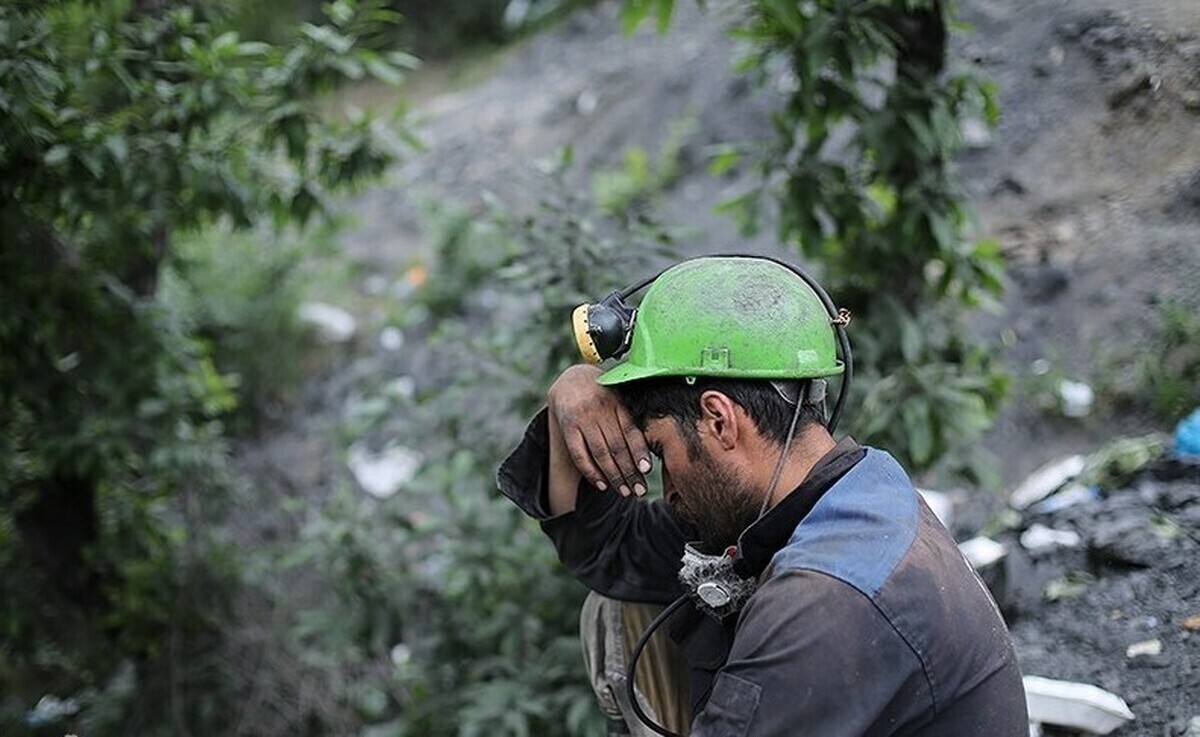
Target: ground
1091,184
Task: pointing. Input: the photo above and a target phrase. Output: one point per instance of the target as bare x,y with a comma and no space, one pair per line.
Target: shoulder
860,529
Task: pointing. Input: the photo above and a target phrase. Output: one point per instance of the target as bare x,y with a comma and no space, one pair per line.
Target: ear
720,417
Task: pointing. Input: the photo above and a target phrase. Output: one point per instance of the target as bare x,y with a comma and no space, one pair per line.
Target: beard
717,503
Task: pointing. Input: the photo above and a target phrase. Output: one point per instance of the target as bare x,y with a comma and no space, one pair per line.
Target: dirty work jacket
867,620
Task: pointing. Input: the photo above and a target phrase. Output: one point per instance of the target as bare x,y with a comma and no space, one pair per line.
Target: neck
811,444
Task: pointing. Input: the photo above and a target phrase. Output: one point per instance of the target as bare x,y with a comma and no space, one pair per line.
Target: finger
602,454
577,447
636,440
618,449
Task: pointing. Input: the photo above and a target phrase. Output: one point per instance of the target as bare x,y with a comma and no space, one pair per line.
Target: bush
430,28
124,126
861,179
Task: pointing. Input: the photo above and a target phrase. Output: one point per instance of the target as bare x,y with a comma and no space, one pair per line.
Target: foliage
1170,367
239,293
639,179
1158,372
430,28
861,176
123,125
448,599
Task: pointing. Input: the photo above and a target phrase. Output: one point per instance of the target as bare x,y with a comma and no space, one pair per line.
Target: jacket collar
761,540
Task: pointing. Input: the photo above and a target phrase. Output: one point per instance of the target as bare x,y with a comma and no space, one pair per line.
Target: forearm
564,476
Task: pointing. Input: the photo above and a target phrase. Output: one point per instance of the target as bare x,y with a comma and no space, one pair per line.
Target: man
852,611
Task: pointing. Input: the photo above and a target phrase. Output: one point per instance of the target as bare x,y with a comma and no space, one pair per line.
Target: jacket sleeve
624,548
812,656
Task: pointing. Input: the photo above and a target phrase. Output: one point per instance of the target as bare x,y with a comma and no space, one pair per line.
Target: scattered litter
416,275
1040,538
941,504
1187,435
1194,727
976,134
1071,495
401,654
587,102
1146,647
332,323
383,474
402,387
982,552
1192,623
391,338
1072,705
50,709
1046,480
1076,398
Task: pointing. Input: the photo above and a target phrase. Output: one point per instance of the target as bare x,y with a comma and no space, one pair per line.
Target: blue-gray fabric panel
860,529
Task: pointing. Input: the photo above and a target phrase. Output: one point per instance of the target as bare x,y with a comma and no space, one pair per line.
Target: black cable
631,671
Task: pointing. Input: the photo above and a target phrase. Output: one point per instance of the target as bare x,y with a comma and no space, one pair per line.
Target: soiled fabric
609,629
867,619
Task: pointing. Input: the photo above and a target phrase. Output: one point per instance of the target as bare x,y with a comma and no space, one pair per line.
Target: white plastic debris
941,504
50,709
1039,538
391,338
383,474
975,133
1146,647
401,387
1076,397
587,102
401,654
982,552
332,323
1072,705
1071,495
1046,480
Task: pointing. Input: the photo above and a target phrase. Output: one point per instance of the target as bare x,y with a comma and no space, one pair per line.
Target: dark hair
674,397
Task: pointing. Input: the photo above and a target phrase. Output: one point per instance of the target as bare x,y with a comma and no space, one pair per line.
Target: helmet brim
625,372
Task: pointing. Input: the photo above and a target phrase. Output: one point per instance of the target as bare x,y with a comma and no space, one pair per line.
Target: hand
601,438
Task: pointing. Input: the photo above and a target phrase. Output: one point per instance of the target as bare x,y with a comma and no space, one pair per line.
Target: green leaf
633,12
725,158
57,155
918,430
383,71
910,341
666,9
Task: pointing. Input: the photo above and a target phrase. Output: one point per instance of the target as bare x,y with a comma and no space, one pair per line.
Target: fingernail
639,490
601,485
644,465
624,490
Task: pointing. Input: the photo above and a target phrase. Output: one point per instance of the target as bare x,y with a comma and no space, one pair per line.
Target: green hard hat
729,316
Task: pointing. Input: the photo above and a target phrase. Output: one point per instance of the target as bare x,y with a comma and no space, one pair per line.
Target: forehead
662,429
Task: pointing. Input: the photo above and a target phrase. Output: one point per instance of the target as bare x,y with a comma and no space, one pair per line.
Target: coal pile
1103,587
